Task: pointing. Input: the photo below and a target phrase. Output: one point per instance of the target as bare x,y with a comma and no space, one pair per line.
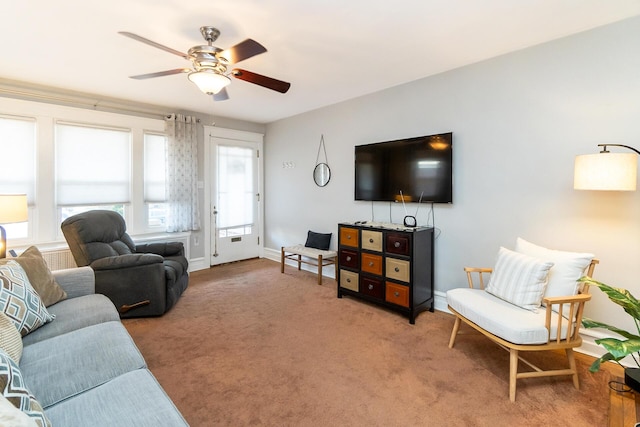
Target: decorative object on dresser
508,311
387,264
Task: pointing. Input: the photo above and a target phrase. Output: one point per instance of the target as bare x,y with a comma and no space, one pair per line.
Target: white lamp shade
606,171
13,208
209,81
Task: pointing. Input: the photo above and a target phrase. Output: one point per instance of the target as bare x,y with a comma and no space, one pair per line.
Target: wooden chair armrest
570,310
480,271
566,299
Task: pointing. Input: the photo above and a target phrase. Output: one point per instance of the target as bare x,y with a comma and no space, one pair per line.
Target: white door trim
239,135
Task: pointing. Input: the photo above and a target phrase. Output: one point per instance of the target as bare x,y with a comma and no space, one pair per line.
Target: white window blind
155,149
18,154
93,165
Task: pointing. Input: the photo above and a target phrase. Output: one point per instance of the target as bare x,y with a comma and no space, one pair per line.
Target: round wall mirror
321,174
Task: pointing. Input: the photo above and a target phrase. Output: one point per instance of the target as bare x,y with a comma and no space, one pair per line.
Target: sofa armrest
125,261
163,248
569,309
76,282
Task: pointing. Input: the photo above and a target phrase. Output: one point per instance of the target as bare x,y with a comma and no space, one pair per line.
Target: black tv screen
418,168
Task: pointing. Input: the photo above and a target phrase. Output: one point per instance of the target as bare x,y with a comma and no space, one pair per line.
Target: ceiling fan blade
154,44
223,95
260,80
161,73
242,51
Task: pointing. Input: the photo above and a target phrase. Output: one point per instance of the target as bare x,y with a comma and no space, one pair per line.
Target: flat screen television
419,168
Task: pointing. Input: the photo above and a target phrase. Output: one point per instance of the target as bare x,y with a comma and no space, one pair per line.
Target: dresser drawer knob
371,263
370,240
348,236
370,287
348,258
396,294
396,244
397,270
348,280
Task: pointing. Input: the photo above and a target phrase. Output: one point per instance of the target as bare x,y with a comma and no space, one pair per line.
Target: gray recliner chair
141,280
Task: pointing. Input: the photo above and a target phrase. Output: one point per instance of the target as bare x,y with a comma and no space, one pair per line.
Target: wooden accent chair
554,326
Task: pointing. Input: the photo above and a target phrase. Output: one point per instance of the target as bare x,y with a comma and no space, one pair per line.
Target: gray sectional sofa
84,368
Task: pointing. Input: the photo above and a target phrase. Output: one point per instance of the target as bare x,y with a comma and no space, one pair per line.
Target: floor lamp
13,208
606,170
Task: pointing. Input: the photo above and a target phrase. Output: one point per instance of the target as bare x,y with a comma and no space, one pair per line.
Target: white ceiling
330,50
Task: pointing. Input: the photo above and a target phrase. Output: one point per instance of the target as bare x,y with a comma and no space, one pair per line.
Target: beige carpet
247,345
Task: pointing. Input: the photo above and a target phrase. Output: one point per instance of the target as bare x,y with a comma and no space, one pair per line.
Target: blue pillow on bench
318,240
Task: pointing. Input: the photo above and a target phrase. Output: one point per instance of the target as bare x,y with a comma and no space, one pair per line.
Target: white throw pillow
568,267
519,279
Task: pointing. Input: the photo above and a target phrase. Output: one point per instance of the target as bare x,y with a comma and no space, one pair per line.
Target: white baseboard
196,264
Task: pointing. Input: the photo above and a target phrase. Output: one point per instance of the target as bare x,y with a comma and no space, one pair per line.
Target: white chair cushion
309,252
502,318
567,268
519,279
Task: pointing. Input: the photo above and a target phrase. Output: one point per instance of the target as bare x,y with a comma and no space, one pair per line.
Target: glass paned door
235,201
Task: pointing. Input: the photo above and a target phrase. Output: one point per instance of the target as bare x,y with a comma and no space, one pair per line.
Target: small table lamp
13,208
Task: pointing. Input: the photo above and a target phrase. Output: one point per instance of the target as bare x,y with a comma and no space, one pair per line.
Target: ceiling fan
209,64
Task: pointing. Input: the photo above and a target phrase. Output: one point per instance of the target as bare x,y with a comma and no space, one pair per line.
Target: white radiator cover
59,259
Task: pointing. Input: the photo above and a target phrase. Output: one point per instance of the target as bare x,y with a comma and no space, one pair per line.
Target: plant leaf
620,296
590,323
595,366
619,348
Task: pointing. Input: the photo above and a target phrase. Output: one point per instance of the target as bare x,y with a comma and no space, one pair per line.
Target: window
155,152
18,171
235,191
92,168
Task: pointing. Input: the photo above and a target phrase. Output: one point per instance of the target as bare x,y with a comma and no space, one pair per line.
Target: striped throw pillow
519,279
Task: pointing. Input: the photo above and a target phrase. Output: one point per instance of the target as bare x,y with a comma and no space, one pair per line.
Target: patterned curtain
182,173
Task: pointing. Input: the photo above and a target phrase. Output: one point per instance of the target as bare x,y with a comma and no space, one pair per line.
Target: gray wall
518,121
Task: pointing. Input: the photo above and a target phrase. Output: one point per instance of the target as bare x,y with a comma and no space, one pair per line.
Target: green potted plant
618,349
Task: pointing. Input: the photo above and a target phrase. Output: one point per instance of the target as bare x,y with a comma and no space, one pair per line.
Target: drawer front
349,258
372,240
349,237
349,280
398,244
371,263
397,294
398,269
372,287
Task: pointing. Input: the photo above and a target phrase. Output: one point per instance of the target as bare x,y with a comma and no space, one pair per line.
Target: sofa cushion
19,301
40,276
134,399
14,388
519,279
75,313
66,365
567,268
502,318
10,338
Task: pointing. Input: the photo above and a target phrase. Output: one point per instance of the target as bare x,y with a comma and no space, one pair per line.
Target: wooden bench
312,256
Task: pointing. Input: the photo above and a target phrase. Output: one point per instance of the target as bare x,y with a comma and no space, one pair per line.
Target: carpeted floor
247,345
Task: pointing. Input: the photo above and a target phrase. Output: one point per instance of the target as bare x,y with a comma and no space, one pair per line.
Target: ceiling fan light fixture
208,81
